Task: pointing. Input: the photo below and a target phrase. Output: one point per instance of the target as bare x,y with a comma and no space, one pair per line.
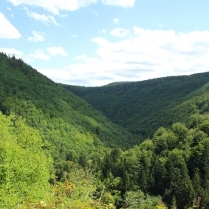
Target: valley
125,145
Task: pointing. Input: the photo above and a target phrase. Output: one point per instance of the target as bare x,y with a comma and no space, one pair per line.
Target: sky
97,42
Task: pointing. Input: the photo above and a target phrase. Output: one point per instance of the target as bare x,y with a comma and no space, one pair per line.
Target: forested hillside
58,152
142,107
26,92
71,129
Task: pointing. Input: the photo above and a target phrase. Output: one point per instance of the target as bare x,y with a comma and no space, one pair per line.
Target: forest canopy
59,151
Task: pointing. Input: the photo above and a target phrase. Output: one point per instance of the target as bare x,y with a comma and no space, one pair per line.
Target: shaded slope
142,107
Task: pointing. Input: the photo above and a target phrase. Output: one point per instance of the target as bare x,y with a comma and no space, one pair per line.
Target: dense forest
58,150
142,107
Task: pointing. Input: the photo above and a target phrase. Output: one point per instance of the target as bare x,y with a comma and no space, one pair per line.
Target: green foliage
173,164
72,130
24,167
57,151
26,92
142,107
138,200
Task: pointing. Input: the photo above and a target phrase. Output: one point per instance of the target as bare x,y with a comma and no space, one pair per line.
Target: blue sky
96,42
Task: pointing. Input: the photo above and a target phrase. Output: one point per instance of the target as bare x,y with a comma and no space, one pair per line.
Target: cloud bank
55,6
144,54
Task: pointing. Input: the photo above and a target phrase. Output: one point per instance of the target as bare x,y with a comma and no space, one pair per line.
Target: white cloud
7,30
116,20
12,51
120,32
37,37
100,41
146,54
46,19
38,54
120,3
54,51
41,54
56,5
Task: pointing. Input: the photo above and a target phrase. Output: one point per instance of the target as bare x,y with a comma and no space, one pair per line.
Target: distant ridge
118,83
142,107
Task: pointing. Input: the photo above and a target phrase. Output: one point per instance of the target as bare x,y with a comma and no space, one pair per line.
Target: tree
180,183
24,167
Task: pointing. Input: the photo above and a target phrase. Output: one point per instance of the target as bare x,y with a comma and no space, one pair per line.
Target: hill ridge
137,105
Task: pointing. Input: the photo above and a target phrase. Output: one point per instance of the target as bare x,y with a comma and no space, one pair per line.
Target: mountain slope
172,165
75,130
142,107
